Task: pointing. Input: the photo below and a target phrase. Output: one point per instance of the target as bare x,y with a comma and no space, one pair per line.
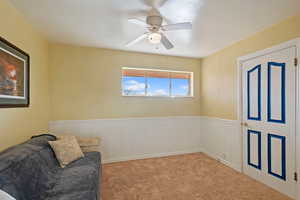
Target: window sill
163,97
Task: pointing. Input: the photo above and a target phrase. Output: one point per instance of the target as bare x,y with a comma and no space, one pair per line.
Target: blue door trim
269,107
258,68
283,156
258,133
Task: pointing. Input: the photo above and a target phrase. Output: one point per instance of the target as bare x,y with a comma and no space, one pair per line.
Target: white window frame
191,85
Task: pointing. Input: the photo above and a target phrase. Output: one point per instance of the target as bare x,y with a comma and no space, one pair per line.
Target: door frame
240,60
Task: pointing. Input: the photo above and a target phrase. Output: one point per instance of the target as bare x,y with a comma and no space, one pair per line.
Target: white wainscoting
222,140
136,138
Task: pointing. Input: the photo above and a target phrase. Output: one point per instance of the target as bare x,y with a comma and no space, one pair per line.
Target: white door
269,87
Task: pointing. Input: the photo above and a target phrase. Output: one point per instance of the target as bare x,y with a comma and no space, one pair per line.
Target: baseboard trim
225,162
219,119
159,155
145,156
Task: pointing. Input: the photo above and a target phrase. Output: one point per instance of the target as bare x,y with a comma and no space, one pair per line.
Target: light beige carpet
185,177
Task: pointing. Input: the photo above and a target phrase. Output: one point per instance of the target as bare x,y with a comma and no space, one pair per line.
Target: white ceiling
103,23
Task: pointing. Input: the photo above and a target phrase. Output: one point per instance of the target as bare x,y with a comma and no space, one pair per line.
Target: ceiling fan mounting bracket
154,20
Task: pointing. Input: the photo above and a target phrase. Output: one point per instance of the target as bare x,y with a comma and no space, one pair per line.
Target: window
156,83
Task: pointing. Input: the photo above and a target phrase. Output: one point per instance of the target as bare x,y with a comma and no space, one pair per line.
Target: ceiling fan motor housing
154,20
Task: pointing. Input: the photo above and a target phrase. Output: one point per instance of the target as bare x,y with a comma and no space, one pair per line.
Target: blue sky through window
135,86
158,86
180,87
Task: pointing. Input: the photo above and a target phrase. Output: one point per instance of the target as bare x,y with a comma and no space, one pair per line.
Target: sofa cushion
23,167
79,180
30,171
17,153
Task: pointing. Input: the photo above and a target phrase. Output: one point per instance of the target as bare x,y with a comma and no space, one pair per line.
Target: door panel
254,148
254,93
269,85
276,92
277,156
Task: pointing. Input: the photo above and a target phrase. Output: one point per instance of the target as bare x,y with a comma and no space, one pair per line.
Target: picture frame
14,76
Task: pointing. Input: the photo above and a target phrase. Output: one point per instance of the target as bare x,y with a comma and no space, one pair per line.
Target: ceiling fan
155,28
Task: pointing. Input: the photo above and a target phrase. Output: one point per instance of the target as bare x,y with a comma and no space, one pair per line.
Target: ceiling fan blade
138,39
179,26
138,22
161,3
167,20
166,42
149,3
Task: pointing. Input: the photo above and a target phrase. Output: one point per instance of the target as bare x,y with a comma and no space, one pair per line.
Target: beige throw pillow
87,144
66,150
88,141
83,141
90,149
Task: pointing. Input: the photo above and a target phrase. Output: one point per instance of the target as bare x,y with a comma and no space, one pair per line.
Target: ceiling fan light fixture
155,28
154,38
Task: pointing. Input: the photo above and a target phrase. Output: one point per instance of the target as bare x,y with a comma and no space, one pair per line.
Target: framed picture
14,76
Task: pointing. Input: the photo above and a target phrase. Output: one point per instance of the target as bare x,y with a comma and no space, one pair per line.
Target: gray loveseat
30,171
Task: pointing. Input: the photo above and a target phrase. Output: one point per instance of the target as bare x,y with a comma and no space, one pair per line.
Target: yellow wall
18,124
218,84
86,84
